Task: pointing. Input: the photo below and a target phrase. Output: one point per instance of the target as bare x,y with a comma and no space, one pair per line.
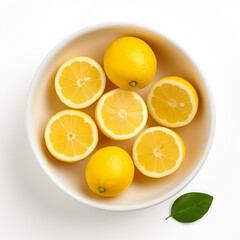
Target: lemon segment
79,82
130,63
172,102
158,152
121,114
71,135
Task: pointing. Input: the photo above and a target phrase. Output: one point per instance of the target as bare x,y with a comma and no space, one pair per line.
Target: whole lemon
109,171
130,63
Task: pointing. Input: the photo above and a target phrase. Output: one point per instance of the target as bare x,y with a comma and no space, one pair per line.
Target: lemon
79,82
121,114
71,135
172,102
109,171
130,63
158,152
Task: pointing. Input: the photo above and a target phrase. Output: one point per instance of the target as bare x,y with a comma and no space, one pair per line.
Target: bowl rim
84,200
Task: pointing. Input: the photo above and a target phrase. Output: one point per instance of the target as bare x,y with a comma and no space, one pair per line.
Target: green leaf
190,207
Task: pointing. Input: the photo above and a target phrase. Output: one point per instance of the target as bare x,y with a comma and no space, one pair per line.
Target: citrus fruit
158,152
109,171
79,82
172,102
121,114
130,63
71,135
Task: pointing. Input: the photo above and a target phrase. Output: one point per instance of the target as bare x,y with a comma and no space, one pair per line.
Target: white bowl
43,103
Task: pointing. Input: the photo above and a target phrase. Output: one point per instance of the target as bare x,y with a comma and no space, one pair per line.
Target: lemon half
71,135
172,102
158,152
79,82
121,114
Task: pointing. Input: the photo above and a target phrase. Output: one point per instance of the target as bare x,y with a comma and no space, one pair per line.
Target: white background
31,206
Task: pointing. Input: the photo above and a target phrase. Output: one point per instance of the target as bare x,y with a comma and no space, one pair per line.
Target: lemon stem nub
133,84
101,190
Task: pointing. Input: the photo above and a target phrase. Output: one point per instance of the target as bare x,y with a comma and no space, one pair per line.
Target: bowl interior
43,103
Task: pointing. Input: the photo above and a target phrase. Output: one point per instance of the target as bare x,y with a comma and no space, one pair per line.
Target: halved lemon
71,135
172,102
158,152
121,114
79,82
